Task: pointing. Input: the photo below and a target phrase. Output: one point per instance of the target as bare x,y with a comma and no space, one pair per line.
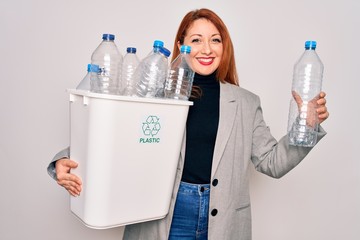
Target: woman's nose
206,48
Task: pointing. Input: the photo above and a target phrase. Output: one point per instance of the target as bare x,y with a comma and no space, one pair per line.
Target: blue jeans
190,220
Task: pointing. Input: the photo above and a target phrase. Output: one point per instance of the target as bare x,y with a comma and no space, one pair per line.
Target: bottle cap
165,51
158,43
185,49
310,45
93,68
107,36
88,67
131,50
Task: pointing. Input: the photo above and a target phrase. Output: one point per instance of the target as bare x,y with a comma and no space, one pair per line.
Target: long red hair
226,71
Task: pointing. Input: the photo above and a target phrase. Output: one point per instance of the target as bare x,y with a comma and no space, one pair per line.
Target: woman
225,132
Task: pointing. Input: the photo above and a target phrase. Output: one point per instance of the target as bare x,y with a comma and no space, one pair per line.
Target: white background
46,45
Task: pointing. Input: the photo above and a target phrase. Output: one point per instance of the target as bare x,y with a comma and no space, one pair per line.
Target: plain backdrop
46,45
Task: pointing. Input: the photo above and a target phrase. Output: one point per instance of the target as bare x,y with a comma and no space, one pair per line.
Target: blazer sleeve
271,157
65,153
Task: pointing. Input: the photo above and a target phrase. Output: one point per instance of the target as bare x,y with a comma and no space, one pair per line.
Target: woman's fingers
323,114
65,164
71,186
69,181
73,189
318,104
321,100
322,111
65,176
297,98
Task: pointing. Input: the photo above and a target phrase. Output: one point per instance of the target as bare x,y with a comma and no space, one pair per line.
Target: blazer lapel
228,107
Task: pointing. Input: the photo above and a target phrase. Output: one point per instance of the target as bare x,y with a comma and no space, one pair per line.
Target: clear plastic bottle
130,63
151,74
85,82
306,85
180,77
109,59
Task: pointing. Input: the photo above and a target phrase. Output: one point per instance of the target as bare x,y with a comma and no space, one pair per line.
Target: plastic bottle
306,85
85,82
130,63
180,79
109,59
151,74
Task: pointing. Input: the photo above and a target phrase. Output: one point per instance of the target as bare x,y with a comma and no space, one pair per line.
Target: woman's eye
195,40
217,40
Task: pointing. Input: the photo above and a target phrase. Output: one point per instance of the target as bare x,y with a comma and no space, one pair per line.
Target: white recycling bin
128,150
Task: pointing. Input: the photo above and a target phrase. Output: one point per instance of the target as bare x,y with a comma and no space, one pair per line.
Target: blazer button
214,212
215,182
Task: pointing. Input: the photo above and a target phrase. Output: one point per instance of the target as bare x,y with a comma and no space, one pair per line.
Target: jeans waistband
192,188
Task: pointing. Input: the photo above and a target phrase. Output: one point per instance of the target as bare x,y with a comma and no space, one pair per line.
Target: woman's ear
178,44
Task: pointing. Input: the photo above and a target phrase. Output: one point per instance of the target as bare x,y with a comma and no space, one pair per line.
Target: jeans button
202,189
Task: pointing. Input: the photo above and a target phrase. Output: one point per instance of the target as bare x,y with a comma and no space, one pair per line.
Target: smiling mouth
205,61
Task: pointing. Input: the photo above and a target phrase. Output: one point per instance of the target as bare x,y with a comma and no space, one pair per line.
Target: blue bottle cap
107,36
93,68
131,50
158,43
310,45
165,51
185,49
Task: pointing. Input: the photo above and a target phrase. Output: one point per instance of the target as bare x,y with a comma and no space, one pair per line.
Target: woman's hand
318,103
321,110
69,181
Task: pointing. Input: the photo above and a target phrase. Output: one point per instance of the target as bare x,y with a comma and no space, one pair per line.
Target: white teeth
205,59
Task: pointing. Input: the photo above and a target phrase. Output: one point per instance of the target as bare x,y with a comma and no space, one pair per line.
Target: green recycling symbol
151,126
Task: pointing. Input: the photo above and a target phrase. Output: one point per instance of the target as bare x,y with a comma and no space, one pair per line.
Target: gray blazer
242,137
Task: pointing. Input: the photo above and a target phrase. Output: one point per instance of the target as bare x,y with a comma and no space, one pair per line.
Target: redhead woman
225,134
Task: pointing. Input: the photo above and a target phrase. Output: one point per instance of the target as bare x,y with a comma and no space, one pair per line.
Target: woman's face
206,46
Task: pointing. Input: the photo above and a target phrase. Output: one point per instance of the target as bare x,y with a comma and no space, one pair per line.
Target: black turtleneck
201,128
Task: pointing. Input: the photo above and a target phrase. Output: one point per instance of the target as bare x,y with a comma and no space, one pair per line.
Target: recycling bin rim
129,98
